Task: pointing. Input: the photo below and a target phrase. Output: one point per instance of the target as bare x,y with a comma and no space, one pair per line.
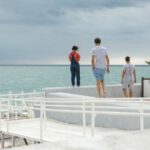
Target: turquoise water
29,78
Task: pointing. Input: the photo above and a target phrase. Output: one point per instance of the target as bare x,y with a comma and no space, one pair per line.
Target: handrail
20,94
83,106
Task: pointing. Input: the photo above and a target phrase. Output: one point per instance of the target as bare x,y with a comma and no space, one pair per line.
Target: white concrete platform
63,136
112,90
55,139
53,130
105,139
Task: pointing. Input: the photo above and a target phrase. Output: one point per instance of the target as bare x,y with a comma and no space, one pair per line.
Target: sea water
29,78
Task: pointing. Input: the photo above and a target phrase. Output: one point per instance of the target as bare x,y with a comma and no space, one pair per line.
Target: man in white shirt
100,64
128,78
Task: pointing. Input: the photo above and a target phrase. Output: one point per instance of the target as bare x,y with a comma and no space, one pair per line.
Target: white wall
112,90
146,88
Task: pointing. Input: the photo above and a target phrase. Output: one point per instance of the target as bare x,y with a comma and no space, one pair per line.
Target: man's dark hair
97,41
127,59
75,48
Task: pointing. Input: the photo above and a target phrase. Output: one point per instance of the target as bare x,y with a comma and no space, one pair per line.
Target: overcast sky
43,31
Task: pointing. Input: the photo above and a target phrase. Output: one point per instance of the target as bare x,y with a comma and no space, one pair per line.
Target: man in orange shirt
74,58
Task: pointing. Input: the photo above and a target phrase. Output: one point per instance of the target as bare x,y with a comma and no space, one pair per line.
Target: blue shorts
99,73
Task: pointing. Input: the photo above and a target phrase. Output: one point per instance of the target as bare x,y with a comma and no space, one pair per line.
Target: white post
33,103
44,107
24,105
83,118
41,121
16,108
12,141
93,120
22,97
141,115
8,109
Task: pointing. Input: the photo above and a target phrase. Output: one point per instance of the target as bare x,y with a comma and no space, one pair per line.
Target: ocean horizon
145,65
27,78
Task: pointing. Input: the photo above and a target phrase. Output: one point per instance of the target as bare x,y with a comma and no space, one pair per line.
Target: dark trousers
75,73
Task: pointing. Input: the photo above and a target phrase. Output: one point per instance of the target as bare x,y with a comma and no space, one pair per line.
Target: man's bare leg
99,88
130,93
125,93
103,88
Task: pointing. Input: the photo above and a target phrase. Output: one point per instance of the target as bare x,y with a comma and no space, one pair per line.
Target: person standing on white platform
128,78
100,64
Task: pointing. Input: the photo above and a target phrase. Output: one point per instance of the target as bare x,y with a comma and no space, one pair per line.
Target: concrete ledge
112,90
107,121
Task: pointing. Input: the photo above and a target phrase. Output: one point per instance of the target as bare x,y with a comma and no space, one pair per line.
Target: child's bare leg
125,92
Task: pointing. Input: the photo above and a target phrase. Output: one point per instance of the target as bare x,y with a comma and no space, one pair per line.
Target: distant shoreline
54,65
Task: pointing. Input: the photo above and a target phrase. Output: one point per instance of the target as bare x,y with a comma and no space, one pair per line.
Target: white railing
83,106
13,103
92,106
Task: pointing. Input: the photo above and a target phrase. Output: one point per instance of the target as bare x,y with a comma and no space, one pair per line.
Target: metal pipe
84,118
93,120
141,116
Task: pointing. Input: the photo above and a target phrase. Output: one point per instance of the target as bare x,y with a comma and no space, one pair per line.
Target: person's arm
93,61
134,74
107,63
78,58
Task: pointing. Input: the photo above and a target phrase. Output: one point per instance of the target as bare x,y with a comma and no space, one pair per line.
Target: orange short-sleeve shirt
76,56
